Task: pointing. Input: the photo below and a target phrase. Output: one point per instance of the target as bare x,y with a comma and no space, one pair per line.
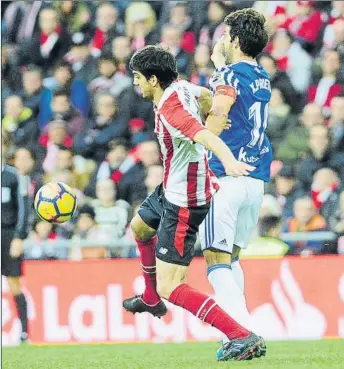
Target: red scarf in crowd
98,39
48,42
320,197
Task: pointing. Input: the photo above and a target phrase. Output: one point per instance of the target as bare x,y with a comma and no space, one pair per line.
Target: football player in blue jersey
241,94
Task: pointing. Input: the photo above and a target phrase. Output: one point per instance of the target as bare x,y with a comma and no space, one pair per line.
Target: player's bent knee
166,286
141,230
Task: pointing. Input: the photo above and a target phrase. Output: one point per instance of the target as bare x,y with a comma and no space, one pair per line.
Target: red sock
207,310
147,257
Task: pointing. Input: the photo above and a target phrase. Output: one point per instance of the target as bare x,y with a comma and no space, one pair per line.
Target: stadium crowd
72,114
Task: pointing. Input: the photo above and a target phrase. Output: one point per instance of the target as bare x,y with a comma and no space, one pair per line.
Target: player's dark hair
266,224
155,61
249,26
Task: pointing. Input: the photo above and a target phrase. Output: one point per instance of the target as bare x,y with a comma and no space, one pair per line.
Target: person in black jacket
286,190
13,233
281,81
320,156
48,46
171,37
107,125
32,88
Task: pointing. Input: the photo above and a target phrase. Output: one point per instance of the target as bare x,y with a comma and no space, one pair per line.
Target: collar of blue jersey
250,62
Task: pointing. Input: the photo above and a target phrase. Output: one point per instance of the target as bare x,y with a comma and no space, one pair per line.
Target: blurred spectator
306,24
214,28
106,126
111,215
328,87
268,243
20,20
134,106
171,38
75,15
11,79
275,12
115,165
155,176
87,229
109,79
48,46
202,67
51,142
121,51
337,221
325,192
64,161
19,122
334,32
320,157
132,186
279,80
336,124
62,77
32,88
292,59
26,165
280,119
108,26
180,19
286,190
140,22
295,144
62,109
270,207
42,247
83,63
305,220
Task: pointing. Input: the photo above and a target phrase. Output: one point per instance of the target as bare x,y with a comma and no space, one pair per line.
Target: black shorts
10,267
176,227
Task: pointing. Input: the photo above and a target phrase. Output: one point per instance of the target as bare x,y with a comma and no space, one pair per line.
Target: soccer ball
55,202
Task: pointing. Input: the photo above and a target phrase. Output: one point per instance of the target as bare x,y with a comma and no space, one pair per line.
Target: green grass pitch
326,354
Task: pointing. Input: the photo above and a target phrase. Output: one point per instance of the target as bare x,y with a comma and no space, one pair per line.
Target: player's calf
169,277
146,241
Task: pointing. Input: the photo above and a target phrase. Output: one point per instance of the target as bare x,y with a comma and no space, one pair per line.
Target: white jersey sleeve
224,77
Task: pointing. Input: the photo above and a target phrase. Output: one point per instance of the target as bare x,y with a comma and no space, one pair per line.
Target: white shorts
233,214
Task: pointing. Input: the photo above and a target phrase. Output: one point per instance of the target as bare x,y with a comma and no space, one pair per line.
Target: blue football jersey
249,114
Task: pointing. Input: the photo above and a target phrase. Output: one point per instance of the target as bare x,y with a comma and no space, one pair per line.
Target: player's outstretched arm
219,148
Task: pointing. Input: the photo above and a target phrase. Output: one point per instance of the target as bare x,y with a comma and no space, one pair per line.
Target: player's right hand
238,168
217,56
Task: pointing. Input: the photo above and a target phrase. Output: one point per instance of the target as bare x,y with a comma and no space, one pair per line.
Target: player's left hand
17,247
238,168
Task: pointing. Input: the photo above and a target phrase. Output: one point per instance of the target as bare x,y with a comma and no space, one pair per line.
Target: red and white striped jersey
188,181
